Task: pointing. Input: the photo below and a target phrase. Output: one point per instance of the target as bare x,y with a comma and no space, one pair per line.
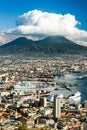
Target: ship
75,98
82,77
51,97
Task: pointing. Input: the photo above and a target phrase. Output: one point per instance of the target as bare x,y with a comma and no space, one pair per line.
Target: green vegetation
23,126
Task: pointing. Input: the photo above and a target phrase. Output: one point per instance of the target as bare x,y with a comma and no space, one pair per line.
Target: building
43,101
85,125
57,107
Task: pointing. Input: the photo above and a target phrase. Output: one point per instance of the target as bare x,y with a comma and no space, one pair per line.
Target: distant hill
49,45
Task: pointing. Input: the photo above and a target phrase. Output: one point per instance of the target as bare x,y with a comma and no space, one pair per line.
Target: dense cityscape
43,65
30,97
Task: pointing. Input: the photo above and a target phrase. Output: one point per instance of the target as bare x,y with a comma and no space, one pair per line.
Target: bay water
74,78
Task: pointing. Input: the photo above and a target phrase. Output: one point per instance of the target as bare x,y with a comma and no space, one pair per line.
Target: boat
56,89
75,98
51,97
82,77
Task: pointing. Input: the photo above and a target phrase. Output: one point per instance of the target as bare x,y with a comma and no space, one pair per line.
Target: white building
57,107
24,87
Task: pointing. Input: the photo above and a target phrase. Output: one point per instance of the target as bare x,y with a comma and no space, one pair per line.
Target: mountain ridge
48,45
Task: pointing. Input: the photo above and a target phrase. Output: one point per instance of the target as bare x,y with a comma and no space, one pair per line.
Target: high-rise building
57,107
43,101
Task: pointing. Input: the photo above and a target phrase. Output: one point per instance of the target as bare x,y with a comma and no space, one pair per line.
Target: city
43,65
30,95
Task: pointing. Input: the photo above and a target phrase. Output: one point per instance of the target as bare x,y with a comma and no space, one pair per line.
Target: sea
79,84
74,78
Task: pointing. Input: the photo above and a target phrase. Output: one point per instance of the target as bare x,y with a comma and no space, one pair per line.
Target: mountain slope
49,45
59,44
18,45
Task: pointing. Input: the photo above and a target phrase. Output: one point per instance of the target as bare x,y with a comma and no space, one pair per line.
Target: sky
37,19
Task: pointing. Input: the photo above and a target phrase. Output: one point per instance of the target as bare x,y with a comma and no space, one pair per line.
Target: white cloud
37,24
84,43
43,23
2,38
5,38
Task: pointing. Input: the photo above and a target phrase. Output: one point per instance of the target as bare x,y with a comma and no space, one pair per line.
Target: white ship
75,98
82,77
51,97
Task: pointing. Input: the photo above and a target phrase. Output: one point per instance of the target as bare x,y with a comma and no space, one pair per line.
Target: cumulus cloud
84,43
40,23
37,24
2,38
5,38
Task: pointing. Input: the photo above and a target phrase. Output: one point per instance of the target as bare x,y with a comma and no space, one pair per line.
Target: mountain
16,46
49,45
59,44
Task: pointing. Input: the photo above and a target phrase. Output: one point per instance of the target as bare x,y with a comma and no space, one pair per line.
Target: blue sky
10,10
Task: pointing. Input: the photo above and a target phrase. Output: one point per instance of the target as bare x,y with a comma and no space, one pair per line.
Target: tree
23,126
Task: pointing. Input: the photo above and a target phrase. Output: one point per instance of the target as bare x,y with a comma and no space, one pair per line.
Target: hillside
49,45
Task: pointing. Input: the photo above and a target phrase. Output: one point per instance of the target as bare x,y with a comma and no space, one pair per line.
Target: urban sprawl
30,97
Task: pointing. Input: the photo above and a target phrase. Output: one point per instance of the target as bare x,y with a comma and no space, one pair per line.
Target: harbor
43,95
